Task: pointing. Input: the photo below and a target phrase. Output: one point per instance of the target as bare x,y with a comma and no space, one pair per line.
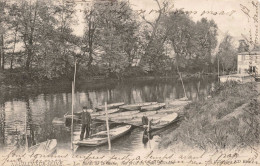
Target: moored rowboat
58,121
109,106
153,107
111,111
69,116
44,148
101,137
118,115
171,110
178,102
136,106
93,114
163,122
132,116
136,119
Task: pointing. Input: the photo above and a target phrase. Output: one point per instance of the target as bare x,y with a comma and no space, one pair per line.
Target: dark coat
85,118
145,120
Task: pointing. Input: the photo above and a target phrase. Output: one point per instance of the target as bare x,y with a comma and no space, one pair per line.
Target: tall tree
193,43
115,27
206,42
65,40
154,37
180,33
3,20
227,54
44,28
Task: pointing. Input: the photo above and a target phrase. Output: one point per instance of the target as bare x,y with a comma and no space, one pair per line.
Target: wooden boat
171,110
101,137
178,102
117,115
153,107
110,111
136,106
157,116
48,147
69,116
132,116
109,106
80,112
136,119
93,114
58,121
163,122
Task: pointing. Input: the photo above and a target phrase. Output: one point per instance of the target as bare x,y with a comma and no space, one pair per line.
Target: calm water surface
32,111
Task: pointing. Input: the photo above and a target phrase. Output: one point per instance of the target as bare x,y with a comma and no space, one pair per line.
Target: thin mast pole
108,135
72,112
183,86
218,68
72,103
25,127
75,72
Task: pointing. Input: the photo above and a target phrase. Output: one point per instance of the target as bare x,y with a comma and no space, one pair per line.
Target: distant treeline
37,41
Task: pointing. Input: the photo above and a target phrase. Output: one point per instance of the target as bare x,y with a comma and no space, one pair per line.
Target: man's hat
85,107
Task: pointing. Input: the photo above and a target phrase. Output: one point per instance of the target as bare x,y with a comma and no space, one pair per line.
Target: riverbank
230,119
16,80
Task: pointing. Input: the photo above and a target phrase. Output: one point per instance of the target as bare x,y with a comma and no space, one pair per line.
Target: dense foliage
230,119
37,39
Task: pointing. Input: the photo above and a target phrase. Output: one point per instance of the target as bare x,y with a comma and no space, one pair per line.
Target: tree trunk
223,70
29,49
1,48
90,58
177,66
2,53
12,56
28,60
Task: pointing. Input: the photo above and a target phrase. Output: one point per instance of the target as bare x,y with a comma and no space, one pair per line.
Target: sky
234,21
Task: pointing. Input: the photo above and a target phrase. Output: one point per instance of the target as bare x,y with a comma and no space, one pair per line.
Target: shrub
220,122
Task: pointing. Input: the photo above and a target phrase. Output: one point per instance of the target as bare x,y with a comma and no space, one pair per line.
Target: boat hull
109,106
153,107
163,122
48,147
137,106
101,141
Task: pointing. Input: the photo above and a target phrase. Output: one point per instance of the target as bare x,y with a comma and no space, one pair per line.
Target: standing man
85,120
146,122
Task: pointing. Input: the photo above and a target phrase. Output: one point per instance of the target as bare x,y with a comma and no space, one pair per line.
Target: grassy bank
230,119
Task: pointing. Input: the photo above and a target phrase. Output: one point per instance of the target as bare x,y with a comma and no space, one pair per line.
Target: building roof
250,53
254,51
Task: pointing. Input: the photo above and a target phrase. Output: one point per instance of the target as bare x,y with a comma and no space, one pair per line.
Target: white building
249,62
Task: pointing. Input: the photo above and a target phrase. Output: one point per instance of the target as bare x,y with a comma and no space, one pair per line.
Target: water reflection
146,137
30,112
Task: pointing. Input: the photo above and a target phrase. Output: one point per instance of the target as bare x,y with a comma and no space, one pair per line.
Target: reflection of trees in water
147,136
89,102
29,123
151,91
42,110
2,124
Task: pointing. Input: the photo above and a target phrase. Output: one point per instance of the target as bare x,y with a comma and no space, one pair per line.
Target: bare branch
148,22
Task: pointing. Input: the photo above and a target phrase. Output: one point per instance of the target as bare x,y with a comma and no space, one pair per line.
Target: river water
32,111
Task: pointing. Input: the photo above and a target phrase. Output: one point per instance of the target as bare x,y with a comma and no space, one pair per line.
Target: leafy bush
224,121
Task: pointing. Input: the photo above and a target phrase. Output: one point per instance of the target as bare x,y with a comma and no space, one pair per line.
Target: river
37,108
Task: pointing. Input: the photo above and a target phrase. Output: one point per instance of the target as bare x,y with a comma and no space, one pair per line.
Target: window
239,57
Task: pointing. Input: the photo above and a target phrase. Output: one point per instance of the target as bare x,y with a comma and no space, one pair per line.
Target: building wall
246,60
